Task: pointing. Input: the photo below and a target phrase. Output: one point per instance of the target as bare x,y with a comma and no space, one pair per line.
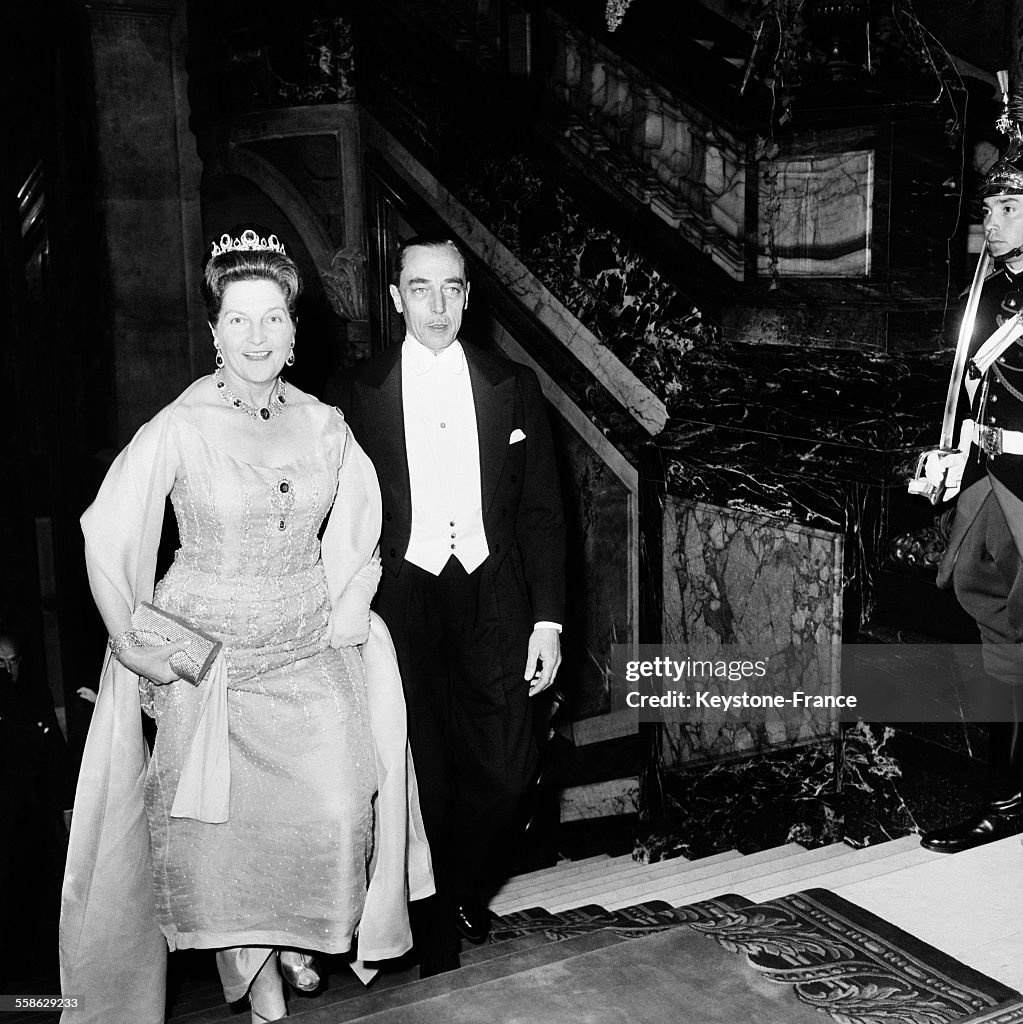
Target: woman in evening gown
280,802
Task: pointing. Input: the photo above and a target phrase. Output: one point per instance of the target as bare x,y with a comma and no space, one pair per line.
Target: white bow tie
450,360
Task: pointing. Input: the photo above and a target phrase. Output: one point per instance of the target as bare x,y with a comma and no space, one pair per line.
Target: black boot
1000,818
1003,814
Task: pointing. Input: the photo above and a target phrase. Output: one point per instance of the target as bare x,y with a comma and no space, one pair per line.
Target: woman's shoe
266,994
300,970
258,1018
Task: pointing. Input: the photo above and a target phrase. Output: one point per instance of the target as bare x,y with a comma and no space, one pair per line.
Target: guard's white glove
946,468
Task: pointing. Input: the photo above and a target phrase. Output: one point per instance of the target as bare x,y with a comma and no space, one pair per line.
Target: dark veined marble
749,804
774,429
822,438
633,308
797,480
848,396
881,783
857,398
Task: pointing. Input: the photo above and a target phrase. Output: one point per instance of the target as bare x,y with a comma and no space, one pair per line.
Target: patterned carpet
834,957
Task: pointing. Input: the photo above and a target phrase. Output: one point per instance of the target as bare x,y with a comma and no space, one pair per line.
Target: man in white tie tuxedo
473,551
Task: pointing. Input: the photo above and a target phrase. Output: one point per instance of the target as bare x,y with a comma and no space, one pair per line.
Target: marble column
149,198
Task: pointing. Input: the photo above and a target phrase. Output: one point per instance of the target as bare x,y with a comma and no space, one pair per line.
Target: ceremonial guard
984,466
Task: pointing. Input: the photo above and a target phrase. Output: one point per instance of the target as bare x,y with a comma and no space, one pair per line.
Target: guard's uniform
983,561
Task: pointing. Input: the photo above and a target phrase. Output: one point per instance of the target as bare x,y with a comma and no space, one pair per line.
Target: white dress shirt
443,458
442,442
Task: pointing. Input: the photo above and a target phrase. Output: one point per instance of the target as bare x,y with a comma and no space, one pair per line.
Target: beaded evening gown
289,867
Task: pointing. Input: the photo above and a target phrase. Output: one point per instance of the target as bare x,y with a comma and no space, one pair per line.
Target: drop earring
290,361
220,358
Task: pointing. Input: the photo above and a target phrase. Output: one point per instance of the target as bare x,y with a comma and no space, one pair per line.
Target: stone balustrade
670,155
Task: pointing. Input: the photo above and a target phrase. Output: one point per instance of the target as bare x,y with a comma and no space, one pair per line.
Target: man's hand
543,657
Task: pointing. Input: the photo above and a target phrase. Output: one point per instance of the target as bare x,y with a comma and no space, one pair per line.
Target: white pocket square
516,436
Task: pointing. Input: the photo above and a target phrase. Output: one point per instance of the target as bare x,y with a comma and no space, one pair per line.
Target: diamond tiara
248,242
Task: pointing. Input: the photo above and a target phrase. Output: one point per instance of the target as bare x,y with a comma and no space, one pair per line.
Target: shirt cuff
547,625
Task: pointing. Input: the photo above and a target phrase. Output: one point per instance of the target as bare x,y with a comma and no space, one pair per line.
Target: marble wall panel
601,528
816,215
768,586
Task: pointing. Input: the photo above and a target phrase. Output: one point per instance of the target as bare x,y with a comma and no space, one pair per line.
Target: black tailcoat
522,508
462,640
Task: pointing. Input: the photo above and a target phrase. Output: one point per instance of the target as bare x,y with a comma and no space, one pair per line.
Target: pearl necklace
274,408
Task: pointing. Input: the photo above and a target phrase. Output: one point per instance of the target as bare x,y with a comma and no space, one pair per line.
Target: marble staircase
578,907
618,882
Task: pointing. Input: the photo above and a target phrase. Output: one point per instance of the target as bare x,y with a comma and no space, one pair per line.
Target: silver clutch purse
154,626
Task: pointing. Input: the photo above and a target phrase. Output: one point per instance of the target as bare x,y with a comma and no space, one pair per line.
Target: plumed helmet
1006,175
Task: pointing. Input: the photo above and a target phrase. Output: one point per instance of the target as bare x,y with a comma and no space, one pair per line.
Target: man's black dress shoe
999,819
473,921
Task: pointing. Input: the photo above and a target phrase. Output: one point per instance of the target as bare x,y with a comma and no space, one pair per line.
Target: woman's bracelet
120,643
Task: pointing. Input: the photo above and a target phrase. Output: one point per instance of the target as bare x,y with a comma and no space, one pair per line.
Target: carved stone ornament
345,284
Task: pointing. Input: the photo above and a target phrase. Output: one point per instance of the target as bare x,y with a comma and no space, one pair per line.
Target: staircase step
592,878
856,872
202,1007
381,1004
687,890
504,947
556,869
198,997
203,1003
547,878
657,887
632,920
804,872
689,875
799,870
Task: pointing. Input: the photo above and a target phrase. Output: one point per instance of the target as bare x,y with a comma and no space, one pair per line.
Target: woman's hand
349,624
349,618
153,662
